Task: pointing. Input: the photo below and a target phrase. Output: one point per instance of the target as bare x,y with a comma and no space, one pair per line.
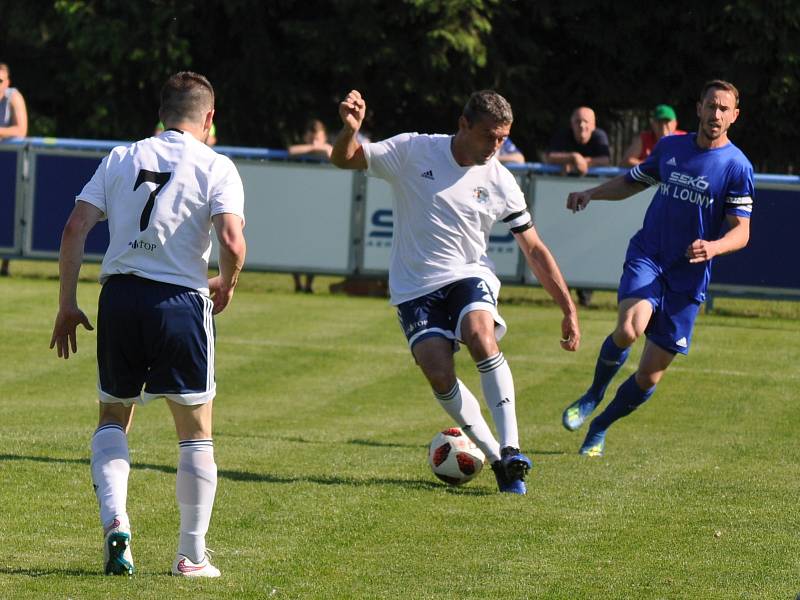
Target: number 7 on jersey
160,179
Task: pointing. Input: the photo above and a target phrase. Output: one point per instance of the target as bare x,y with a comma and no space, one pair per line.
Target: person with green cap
663,122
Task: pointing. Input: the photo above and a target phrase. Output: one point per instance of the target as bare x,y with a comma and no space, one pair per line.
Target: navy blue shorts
154,339
674,313
440,312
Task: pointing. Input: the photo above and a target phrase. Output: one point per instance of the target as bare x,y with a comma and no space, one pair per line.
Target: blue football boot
577,412
510,471
595,442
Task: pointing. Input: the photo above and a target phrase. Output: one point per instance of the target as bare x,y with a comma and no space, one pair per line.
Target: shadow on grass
34,572
247,476
298,439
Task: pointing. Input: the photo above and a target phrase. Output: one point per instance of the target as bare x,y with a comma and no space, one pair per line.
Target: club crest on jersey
481,194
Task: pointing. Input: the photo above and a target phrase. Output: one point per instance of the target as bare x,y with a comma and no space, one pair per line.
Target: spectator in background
13,120
315,144
315,141
577,149
663,122
510,154
581,146
211,140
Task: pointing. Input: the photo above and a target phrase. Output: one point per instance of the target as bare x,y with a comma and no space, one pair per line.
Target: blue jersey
697,188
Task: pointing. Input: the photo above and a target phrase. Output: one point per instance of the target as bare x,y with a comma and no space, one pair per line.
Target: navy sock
609,361
629,397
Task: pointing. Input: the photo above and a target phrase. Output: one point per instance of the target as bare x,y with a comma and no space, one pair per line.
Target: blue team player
704,182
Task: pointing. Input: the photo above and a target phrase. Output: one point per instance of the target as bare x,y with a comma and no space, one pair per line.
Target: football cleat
515,463
511,470
577,412
594,444
117,551
504,484
184,566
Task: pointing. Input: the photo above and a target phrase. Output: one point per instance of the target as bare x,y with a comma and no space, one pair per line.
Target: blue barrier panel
58,180
8,197
768,260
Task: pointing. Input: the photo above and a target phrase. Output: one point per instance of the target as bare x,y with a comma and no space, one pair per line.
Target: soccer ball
454,458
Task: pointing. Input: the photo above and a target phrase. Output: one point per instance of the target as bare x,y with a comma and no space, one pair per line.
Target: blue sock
629,397
609,361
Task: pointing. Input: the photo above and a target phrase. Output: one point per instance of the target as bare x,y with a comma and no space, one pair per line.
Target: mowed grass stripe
322,423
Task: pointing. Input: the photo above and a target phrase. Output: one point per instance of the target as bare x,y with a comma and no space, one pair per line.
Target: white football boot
184,566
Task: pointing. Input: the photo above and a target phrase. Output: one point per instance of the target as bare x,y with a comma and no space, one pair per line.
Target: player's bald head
186,96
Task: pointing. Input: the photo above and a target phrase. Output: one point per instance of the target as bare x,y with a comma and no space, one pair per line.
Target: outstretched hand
65,330
352,110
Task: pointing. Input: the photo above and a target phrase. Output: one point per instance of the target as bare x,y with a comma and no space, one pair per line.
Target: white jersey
443,212
159,195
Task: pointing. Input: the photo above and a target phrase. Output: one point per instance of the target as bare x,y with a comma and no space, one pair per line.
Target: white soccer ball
454,458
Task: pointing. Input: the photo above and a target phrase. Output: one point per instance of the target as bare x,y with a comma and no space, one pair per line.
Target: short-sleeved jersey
648,141
443,212
597,146
159,195
697,187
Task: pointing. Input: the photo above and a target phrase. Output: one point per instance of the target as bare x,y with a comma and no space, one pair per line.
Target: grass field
321,429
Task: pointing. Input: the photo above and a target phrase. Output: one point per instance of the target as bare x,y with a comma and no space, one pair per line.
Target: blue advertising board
769,260
58,179
8,197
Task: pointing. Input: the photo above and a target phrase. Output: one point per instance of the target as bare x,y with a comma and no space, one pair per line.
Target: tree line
93,68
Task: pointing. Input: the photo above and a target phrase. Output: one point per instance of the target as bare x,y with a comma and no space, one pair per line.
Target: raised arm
347,152
544,267
618,188
232,250
84,216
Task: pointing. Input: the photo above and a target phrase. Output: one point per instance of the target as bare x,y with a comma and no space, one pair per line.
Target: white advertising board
590,245
298,216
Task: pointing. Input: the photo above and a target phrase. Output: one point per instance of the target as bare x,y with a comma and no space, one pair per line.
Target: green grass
321,426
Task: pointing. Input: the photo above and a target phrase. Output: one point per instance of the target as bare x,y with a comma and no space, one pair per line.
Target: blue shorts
154,339
440,312
674,313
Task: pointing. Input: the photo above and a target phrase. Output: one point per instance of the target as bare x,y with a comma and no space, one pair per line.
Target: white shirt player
443,212
159,195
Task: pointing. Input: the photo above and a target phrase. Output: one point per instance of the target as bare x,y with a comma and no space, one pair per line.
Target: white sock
498,390
195,487
111,465
465,410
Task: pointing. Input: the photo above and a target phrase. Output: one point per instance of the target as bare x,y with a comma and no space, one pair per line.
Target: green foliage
93,68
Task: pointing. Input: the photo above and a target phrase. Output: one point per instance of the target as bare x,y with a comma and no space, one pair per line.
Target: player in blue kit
704,182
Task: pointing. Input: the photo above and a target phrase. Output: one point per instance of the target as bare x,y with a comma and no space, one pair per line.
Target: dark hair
719,84
490,104
314,125
186,96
